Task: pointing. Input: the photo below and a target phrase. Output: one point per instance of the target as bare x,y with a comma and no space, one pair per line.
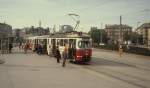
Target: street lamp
137,32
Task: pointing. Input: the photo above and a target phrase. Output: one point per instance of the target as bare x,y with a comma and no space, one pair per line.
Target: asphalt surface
106,70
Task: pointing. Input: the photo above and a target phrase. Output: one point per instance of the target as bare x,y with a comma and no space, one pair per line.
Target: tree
136,38
127,36
98,35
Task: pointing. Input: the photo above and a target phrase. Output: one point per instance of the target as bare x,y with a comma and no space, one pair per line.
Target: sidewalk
40,71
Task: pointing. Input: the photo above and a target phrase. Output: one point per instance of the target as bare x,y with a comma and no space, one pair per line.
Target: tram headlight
79,56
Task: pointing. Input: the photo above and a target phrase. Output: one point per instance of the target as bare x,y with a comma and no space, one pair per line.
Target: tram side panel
49,46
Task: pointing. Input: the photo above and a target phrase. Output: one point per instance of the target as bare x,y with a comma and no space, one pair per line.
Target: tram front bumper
83,58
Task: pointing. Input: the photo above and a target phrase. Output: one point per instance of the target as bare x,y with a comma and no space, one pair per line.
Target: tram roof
70,35
73,34
33,37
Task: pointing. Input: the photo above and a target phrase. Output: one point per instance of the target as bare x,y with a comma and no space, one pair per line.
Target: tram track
123,61
122,76
127,63
125,74
116,77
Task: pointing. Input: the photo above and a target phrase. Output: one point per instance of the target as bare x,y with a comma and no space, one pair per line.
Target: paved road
130,68
106,70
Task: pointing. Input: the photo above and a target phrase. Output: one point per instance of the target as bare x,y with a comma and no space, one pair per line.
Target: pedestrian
65,55
58,56
26,47
53,50
10,47
39,49
20,45
23,45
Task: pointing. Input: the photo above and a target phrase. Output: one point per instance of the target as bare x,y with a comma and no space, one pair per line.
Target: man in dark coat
10,47
57,55
39,49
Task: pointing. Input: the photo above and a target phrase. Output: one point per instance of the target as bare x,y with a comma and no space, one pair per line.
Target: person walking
58,56
10,47
20,44
39,49
65,55
23,45
26,47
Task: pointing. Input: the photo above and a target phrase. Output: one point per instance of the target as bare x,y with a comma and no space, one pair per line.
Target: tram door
44,46
36,44
72,48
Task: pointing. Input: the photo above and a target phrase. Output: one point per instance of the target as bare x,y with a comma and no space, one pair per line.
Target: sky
26,13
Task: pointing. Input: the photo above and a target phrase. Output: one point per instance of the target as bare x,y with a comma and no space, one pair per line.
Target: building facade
5,36
117,33
5,30
144,30
39,31
21,34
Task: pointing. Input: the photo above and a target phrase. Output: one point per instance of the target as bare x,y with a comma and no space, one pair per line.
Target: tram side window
57,41
65,41
47,41
40,41
72,42
36,41
61,42
84,44
51,41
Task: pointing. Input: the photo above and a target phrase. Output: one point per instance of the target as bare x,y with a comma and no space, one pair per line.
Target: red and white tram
81,45
35,40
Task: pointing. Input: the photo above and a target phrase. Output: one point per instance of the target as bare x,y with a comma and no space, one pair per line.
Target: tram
79,45
36,40
32,42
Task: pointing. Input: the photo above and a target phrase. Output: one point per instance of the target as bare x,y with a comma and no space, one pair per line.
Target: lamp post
120,38
137,32
101,32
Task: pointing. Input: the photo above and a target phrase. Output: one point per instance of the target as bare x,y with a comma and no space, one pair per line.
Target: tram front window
84,44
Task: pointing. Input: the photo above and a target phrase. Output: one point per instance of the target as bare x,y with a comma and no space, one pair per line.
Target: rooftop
117,26
144,26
